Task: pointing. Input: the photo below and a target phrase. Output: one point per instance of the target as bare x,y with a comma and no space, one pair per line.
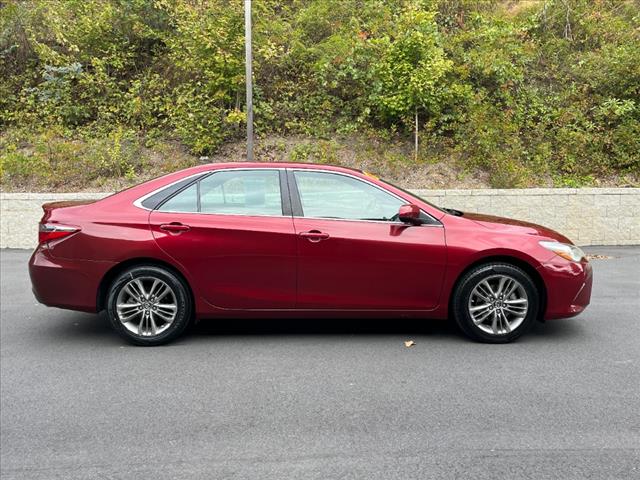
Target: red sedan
282,239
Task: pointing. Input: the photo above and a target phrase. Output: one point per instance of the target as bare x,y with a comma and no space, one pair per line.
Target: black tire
465,287
180,293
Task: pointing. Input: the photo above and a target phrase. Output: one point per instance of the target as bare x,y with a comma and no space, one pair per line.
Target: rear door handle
175,227
314,235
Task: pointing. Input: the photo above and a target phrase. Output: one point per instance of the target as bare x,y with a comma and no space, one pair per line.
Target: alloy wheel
498,304
146,306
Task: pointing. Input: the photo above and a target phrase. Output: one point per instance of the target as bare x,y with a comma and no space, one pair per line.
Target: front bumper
65,283
568,287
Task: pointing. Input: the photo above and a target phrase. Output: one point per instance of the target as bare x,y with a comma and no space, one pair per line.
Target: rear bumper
568,287
64,283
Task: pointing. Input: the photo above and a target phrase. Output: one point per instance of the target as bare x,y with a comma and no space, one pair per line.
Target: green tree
412,76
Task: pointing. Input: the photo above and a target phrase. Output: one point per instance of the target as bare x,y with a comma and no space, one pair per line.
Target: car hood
515,226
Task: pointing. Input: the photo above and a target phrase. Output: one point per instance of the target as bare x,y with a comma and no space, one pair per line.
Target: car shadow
444,330
72,327
76,327
320,326
557,330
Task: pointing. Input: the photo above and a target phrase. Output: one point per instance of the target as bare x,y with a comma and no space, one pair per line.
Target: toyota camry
274,240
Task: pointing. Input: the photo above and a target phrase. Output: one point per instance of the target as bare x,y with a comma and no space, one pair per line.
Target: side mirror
409,214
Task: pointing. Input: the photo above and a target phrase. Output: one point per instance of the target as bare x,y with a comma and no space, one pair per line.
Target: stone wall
588,216
21,212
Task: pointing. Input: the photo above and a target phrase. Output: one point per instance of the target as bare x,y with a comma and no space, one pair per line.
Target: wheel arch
512,260
111,274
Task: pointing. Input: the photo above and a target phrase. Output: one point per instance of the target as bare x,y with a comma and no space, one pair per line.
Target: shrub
529,92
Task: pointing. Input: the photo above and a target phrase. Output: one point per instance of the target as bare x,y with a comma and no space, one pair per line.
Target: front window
231,192
331,195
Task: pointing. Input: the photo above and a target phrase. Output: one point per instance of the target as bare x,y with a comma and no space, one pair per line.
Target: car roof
315,166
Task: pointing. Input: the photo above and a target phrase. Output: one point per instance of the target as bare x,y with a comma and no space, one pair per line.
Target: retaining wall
588,216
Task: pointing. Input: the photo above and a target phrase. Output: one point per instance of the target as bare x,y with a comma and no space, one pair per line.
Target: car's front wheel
495,303
148,305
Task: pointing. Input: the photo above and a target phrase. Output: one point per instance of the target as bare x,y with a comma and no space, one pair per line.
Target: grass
55,161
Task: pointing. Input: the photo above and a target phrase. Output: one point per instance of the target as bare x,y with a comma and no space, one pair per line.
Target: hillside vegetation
103,93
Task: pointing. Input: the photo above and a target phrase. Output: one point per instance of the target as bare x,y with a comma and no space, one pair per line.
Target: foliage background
102,93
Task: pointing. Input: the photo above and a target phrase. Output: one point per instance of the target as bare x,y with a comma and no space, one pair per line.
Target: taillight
52,231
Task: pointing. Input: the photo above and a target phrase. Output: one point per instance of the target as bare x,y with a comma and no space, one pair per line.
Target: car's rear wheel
495,303
148,305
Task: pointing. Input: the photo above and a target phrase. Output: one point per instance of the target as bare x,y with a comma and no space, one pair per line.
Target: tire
483,315
149,305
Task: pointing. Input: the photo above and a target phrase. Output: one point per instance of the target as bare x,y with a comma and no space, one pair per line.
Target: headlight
570,252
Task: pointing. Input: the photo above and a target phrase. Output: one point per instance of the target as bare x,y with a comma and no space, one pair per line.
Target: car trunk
50,207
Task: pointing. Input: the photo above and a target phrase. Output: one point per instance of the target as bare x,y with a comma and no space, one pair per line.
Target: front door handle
314,236
175,227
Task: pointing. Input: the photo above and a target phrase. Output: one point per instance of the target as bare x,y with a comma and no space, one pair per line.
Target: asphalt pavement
318,399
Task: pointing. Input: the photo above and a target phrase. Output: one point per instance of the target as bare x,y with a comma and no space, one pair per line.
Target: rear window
154,201
230,192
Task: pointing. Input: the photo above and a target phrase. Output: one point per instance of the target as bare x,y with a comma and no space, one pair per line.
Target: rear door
352,254
233,232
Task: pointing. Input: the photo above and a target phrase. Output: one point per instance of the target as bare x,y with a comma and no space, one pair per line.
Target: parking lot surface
317,399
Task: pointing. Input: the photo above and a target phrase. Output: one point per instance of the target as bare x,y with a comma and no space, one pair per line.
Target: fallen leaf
409,343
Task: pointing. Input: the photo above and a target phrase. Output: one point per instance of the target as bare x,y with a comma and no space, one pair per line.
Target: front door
353,254
229,232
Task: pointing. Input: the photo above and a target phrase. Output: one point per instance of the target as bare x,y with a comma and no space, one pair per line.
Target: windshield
414,195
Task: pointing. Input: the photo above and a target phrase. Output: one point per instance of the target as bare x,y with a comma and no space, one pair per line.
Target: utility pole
249,77
415,155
